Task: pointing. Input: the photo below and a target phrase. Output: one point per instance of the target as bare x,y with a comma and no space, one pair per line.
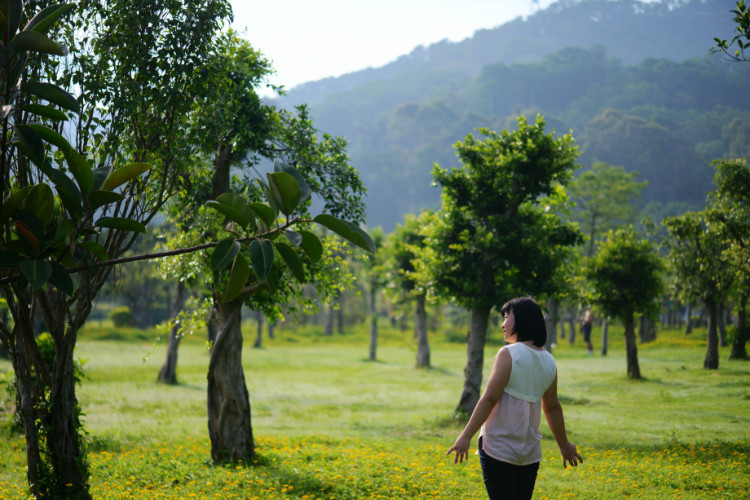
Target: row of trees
160,121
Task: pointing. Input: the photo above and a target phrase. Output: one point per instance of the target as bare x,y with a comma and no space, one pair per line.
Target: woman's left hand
461,447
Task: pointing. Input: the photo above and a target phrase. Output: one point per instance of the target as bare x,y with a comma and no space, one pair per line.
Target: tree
741,35
237,130
61,215
604,197
401,251
702,270
497,236
375,282
625,277
730,209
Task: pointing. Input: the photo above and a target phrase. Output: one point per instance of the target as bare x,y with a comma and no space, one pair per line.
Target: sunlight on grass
331,425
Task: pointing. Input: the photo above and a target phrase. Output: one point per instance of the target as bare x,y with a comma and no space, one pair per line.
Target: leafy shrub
121,316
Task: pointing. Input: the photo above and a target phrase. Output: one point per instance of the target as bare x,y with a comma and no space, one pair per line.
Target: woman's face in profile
508,326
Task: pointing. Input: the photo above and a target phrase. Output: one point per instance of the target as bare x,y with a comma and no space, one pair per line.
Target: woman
523,381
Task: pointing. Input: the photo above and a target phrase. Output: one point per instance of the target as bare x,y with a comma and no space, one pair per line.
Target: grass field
331,425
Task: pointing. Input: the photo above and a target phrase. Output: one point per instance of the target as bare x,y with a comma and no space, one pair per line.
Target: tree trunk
741,328
474,360
688,316
168,372
722,325
712,350
229,426
212,326
373,324
330,320
259,331
340,313
631,349
420,330
605,336
572,326
271,329
551,324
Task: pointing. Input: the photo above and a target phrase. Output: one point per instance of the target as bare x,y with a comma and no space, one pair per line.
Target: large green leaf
237,278
265,212
100,198
100,175
292,261
61,279
285,190
124,174
346,230
53,94
270,198
47,17
224,253
13,202
280,166
96,249
37,42
36,272
235,215
50,136
294,237
30,144
272,279
45,111
41,202
311,245
121,223
261,257
80,169
15,7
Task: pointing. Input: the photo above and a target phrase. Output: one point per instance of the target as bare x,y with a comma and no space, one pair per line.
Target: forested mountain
633,81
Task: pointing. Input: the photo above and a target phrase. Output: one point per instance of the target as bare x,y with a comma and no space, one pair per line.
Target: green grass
330,424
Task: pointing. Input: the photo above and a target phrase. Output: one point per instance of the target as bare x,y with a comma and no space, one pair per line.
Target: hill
632,80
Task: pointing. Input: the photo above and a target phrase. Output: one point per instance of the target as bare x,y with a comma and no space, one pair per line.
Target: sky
309,40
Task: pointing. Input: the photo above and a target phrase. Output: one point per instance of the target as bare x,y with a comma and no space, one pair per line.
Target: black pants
506,481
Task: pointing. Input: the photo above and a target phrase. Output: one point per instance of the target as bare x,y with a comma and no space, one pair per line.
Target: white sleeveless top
511,432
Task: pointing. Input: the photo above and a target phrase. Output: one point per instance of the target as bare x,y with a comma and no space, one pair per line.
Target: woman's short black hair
529,320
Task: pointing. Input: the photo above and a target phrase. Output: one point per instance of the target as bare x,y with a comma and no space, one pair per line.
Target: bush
121,316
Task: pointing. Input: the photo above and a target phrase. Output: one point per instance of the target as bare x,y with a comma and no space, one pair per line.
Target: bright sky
312,39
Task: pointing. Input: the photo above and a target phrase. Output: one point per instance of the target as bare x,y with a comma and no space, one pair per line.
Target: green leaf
294,237
95,249
80,169
292,260
61,279
237,278
13,202
14,19
121,223
50,136
47,17
280,166
224,253
30,144
65,228
236,215
272,279
9,258
34,41
311,245
346,230
265,212
124,174
100,198
53,94
235,207
261,257
286,191
100,175
45,111
41,202
36,272
272,201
